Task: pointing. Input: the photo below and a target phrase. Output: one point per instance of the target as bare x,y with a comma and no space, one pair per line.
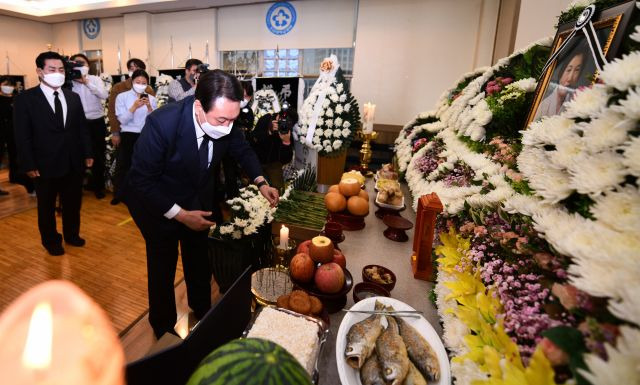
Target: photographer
186,86
271,140
91,90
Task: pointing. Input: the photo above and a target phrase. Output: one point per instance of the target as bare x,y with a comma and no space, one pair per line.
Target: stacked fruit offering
319,262
347,195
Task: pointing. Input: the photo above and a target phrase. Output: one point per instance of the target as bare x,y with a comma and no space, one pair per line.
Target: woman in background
565,86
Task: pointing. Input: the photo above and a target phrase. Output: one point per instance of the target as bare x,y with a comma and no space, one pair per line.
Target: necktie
203,153
58,111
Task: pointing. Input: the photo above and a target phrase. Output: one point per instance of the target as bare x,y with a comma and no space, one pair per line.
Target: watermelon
249,361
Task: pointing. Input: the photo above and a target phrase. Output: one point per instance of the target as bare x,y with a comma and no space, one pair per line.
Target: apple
321,249
302,268
304,247
329,278
339,258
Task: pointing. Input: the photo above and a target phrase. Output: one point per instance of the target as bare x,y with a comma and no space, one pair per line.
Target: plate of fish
385,341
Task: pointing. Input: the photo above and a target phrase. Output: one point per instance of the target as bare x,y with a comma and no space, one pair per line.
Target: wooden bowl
366,277
364,290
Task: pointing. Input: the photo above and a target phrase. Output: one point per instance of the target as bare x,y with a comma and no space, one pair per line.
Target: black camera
70,71
284,123
202,68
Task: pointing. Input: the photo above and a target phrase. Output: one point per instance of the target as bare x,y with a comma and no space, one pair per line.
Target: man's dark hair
47,56
192,62
138,73
216,84
73,58
7,79
248,88
139,63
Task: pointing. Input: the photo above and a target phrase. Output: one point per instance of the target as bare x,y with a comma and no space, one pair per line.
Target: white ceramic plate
350,376
388,206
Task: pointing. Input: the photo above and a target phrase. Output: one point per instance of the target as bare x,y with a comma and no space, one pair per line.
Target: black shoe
55,249
75,241
100,194
115,201
2,192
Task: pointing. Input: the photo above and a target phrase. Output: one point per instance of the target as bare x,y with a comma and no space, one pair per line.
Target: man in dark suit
168,189
53,146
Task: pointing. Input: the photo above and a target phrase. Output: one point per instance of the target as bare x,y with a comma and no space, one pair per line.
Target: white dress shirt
132,122
48,93
91,95
175,209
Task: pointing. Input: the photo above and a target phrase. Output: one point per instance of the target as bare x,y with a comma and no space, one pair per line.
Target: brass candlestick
365,151
282,257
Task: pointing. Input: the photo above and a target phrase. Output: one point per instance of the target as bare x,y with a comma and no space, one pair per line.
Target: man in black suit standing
168,189
54,147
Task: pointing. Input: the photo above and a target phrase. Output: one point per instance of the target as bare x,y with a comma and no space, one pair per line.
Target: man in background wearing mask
91,90
168,189
118,88
54,147
186,86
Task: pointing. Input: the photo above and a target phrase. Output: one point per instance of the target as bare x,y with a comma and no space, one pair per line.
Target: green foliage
571,341
433,297
509,109
579,203
306,181
474,146
521,187
573,13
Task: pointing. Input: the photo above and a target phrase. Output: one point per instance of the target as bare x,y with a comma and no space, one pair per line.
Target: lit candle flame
37,350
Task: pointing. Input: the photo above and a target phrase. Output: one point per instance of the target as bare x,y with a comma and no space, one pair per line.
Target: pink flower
514,176
555,355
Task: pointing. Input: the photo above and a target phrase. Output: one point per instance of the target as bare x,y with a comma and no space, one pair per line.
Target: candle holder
282,257
365,151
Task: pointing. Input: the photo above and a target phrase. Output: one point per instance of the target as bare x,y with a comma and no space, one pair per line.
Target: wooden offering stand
396,227
428,208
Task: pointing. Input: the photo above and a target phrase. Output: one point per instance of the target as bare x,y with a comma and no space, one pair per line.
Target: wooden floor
111,267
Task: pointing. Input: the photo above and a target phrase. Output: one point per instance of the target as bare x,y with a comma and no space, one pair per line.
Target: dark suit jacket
41,145
165,167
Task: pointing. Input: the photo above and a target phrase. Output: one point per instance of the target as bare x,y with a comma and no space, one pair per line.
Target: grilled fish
419,350
361,339
414,377
371,373
392,354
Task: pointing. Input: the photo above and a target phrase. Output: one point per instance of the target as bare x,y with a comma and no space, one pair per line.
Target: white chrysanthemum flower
609,130
630,106
316,140
326,142
346,124
476,99
549,130
326,103
303,130
619,209
329,123
622,73
623,364
338,122
318,147
527,85
337,133
328,132
631,159
337,144
628,307
329,112
636,34
319,122
478,134
595,174
335,98
529,159
566,150
481,113
550,183
340,87
237,234
454,332
331,90
240,222
588,102
339,109
347,107
226,229
467,372
328,148
343,98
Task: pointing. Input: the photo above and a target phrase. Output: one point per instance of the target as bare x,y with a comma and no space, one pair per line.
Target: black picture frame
551,94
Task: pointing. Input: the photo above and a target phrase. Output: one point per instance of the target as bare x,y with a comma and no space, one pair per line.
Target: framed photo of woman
575,67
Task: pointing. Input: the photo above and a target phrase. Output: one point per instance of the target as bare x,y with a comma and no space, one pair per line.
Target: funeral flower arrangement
249,211
265,102
162,92
330,114
537,262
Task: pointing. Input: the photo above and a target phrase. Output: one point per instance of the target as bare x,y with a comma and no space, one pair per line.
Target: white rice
296,334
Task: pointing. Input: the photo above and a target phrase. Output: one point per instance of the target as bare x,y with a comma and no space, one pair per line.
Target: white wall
112,31
537,19
192,27
409,51
23,40
66,38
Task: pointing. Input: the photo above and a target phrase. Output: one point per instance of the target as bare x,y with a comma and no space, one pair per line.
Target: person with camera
132,108
168,189
54,146
91,90
186,86
271,140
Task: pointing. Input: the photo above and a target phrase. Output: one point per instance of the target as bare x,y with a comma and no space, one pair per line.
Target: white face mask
55,79
7,89
139,88
84,70
130,73
243,103
216,132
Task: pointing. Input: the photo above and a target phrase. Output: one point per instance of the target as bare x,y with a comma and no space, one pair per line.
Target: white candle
369,112
284,237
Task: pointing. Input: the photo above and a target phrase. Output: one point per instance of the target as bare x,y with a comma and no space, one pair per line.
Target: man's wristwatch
262,183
